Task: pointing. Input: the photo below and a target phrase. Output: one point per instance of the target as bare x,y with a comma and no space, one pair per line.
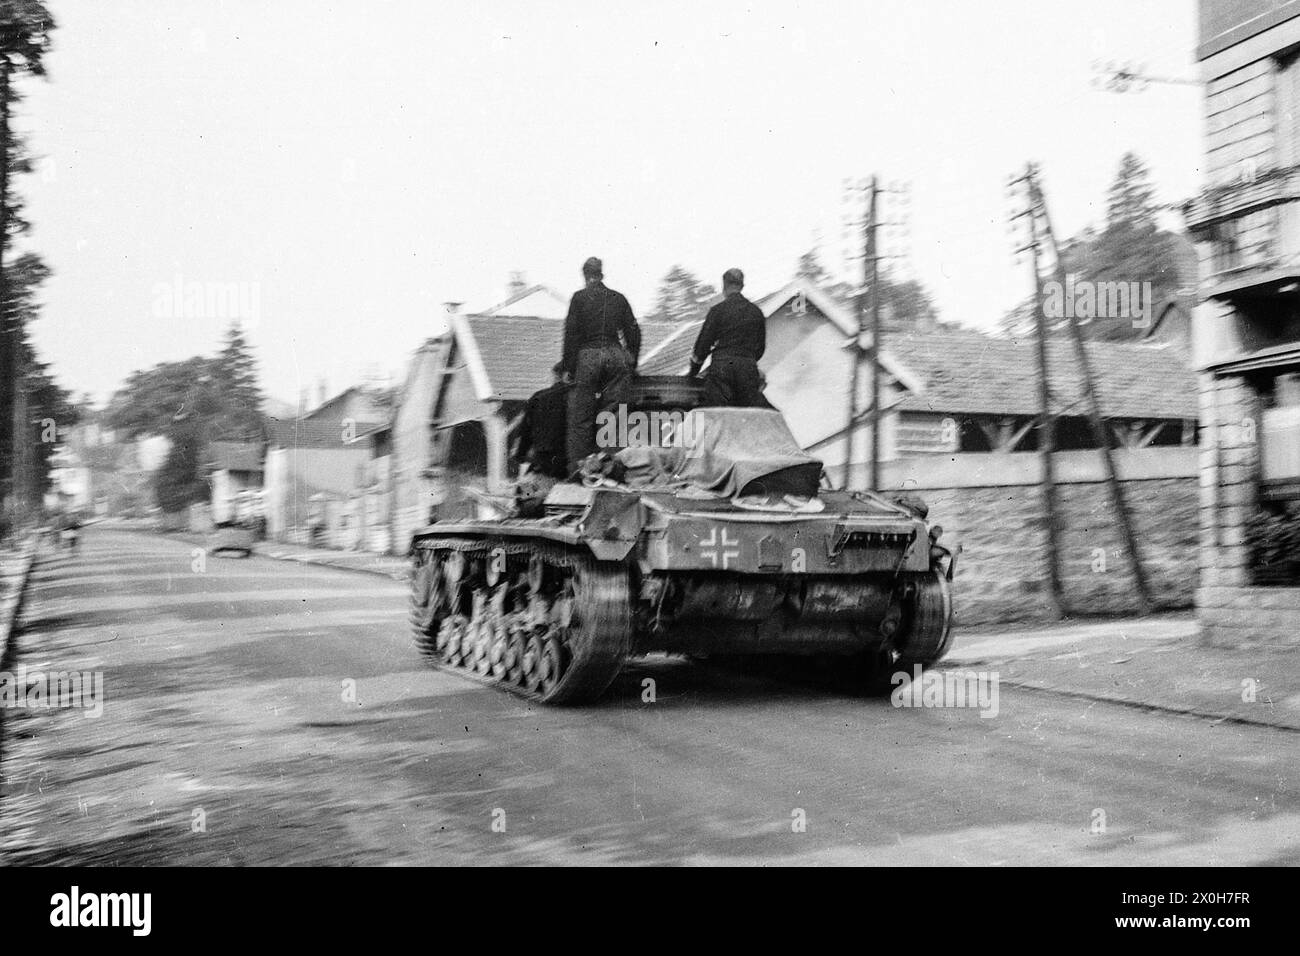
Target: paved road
226,738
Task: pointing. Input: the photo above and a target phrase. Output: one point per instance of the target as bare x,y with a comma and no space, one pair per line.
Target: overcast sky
356,165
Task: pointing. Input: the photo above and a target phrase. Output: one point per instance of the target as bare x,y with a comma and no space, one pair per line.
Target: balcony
1237,199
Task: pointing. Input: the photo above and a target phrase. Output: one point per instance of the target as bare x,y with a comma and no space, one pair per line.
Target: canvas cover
746,451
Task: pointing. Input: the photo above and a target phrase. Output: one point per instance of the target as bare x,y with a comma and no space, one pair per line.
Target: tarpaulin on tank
745,451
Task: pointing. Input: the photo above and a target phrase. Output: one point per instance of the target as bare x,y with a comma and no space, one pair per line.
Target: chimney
322,392
516,284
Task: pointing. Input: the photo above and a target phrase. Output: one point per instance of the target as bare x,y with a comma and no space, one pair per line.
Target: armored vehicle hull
552,606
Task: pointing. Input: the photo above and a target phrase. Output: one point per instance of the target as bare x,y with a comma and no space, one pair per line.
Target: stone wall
1001,575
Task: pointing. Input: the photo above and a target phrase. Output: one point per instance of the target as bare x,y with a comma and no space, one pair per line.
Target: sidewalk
1155,663
15,564
390,566
386,564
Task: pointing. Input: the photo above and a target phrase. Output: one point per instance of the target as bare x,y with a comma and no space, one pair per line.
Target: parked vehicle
231,536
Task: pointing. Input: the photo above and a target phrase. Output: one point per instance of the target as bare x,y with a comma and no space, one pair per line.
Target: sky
333,173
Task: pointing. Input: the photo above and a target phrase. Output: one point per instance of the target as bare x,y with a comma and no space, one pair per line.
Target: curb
326,563
259,549
12,604
1210,715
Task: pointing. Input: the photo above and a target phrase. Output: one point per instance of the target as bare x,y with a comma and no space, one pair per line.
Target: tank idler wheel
929,634
531,664
428,604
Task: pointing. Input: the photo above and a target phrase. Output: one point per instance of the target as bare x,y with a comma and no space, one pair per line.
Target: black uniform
542,433
597,360
735,331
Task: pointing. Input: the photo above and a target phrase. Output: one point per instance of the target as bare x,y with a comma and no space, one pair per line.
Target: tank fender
612,524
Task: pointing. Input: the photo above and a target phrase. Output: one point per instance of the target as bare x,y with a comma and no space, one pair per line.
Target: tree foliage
25,27
50,409
682,297
1131,248
905,304
193,403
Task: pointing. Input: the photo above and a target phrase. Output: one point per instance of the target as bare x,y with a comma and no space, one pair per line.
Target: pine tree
235,372
25,27
1129,202
682,297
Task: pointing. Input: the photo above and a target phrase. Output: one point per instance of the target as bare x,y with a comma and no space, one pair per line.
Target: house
236,480
479,381
1246,327
944,391
808,363
327,473
414,480
96,471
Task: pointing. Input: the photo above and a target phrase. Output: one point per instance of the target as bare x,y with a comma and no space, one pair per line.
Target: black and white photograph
587,435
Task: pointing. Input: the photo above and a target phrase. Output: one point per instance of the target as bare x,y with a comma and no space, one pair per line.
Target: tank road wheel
498,649
458,635
450,634
590,633
929,635
531,663
514,655
428,603
551,666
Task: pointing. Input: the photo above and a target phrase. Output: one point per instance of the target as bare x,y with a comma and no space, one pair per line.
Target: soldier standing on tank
601,344
735,333
542,432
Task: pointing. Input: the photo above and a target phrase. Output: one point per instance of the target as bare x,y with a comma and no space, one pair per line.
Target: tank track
543,621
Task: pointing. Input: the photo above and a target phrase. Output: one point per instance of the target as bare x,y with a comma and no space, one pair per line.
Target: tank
710,534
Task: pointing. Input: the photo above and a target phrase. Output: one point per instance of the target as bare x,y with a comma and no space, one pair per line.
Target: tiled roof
673,354
303,433
966,372
518,353
235,456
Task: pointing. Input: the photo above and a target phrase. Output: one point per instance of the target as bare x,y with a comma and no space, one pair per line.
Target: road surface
266,712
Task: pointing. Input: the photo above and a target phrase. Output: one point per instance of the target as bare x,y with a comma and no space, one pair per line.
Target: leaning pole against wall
1042,225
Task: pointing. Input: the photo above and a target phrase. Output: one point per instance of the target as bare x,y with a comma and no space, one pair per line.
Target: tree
235,374
25,26
180,482
682,297
1131,249
905,304
192,403
48,409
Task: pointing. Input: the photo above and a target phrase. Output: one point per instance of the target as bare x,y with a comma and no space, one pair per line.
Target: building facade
1246,328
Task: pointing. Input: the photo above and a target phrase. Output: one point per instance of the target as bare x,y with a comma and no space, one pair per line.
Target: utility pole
1041,219
871,274
868,317
9,379
1046,420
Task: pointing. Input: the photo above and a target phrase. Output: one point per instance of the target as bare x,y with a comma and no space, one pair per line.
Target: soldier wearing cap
735,333
542,432
601,344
